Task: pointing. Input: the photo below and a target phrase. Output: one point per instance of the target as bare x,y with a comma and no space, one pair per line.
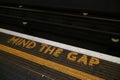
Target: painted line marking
50,64
64,46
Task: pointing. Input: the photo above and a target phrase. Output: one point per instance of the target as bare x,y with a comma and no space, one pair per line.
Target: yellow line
50,64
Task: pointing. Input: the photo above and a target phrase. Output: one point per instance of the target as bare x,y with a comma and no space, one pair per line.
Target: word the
50,50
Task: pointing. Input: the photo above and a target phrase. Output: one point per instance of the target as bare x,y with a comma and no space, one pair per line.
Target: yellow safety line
50,64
